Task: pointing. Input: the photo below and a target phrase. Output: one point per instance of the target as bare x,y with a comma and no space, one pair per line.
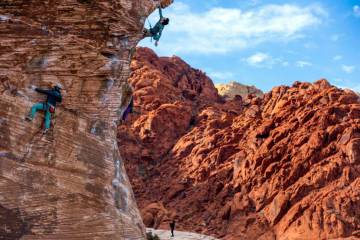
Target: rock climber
129,109
53,97
172,227
156,31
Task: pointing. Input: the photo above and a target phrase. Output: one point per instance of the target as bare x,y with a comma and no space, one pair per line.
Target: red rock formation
155,214
285,166
233,89
169,93
71,182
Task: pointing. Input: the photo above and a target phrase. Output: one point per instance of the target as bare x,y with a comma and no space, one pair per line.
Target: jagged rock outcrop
155,214
232,89
170,93
285,166
70,183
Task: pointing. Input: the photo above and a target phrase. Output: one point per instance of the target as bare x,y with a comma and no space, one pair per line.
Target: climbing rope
149,28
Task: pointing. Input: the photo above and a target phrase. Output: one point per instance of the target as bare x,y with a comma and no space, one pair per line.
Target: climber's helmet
165,21
58,86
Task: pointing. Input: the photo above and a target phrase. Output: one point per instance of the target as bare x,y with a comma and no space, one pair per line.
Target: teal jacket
53,95
156,31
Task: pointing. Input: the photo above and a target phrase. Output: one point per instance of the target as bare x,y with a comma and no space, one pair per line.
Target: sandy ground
165,235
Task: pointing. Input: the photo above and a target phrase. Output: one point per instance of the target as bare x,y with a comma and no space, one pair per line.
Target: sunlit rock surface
284,166
70,183
232,89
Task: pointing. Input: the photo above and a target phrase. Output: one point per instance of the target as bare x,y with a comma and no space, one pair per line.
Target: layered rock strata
70,183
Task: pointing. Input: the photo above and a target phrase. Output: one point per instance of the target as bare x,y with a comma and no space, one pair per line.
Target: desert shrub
150,236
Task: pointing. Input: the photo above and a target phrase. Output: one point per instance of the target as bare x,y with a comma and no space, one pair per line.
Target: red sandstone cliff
70,183
285,166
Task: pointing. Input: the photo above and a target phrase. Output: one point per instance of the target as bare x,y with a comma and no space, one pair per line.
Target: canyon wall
69,183
283,166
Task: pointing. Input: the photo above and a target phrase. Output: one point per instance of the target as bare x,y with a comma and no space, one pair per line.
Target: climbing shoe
45,131
28,118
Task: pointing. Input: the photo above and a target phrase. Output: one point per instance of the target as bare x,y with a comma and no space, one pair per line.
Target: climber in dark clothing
172,227
53,97
156,31
129,109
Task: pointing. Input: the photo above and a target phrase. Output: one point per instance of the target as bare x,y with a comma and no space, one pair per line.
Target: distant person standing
172,227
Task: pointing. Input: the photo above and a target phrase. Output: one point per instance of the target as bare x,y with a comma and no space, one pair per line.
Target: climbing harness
51,108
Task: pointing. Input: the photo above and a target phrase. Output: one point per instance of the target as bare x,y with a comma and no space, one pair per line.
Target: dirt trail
165,235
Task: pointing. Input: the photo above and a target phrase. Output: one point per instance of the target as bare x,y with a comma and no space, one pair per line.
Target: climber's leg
36,107
146,33
47,119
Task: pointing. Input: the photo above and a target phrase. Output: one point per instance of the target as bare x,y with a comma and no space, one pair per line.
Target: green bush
150,236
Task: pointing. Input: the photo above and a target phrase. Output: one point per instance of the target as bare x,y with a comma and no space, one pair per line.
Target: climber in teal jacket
156,31
53,97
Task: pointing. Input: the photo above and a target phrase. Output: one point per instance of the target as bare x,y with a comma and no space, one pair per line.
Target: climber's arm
160,12
55,94
42,91
59,99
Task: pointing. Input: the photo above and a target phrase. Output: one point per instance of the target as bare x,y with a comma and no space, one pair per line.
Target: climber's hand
33,87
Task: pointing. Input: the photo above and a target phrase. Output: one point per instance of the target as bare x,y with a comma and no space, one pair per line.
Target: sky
265,43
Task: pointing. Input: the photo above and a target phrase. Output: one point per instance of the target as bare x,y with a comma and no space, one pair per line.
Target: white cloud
257,59
222,30
356,10
348,68
264,60
302,64
337,58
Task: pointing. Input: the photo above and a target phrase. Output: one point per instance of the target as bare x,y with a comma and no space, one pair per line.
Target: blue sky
266,43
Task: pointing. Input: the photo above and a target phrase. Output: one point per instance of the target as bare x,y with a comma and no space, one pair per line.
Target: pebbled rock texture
284,166
70,183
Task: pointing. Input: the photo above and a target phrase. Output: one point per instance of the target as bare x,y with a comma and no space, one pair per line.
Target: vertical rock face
70,183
